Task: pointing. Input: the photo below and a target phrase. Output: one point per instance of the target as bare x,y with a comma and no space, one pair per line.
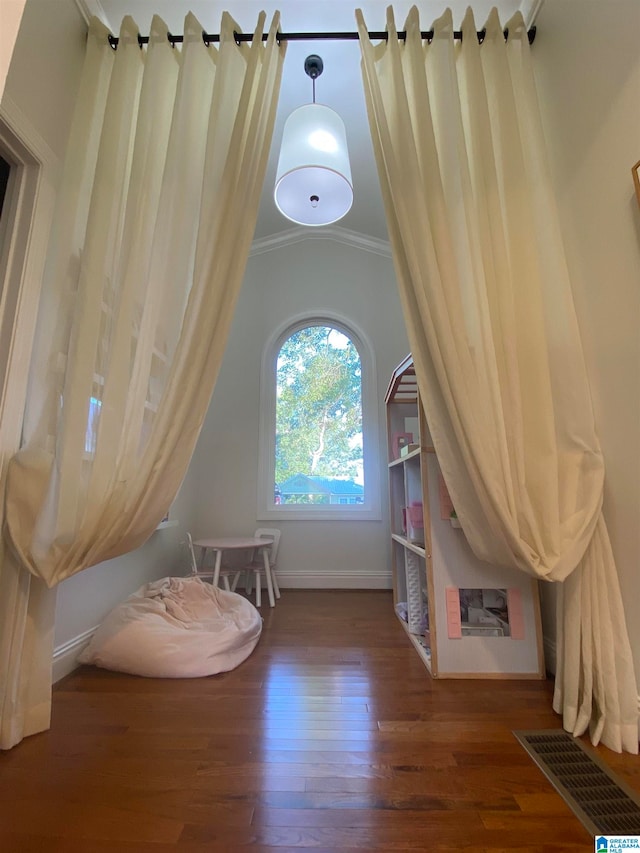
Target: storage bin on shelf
415,606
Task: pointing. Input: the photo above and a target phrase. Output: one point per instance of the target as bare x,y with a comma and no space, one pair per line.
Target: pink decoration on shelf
454,622
416,518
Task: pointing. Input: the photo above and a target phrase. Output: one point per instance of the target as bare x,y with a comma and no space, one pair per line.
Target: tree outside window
318,447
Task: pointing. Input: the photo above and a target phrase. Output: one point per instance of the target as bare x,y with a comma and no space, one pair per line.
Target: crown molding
92,8
335,233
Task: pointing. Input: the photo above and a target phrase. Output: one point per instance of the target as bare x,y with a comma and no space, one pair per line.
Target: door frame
24,235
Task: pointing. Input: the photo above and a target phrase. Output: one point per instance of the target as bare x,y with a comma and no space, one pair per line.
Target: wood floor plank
61,817
330,738
444,783
320,770
393,803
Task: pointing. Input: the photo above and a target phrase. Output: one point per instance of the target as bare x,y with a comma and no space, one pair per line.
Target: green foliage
319,406
307,499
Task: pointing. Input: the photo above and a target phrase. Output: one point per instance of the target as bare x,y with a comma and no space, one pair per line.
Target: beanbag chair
176,628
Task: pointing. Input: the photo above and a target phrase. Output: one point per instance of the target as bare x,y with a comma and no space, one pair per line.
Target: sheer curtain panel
489,312
155,218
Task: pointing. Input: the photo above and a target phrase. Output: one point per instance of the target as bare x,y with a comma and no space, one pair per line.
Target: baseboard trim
334,580
65,656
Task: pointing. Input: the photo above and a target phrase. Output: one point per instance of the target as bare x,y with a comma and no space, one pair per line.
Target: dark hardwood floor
330,737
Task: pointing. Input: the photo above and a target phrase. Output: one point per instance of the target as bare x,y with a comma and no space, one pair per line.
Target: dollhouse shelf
465,618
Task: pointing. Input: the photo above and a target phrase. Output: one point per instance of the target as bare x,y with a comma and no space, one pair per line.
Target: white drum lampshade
313,179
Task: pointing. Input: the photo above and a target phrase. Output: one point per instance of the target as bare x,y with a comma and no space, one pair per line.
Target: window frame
267,509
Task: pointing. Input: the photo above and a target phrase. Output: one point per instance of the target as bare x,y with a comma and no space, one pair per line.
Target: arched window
319,444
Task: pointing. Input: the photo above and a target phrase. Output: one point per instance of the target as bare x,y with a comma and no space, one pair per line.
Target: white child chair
256,566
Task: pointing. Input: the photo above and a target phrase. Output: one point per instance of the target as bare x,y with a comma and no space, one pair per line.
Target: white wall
587,65
45,68
311,276
10,15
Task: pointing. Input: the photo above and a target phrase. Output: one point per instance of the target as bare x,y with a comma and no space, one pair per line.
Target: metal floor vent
601,800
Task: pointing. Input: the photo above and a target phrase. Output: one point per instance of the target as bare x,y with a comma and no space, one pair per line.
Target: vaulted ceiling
340,85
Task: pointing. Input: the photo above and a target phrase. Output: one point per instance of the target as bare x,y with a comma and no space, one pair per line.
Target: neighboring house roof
301,484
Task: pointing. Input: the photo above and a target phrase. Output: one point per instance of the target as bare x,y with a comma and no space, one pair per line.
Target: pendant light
313,179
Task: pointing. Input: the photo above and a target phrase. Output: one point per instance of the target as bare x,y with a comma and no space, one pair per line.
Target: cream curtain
156,214
489,312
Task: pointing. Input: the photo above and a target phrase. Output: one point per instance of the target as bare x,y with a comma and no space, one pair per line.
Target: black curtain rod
213,38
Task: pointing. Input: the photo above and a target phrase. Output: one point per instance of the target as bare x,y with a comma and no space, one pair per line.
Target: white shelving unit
466,618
